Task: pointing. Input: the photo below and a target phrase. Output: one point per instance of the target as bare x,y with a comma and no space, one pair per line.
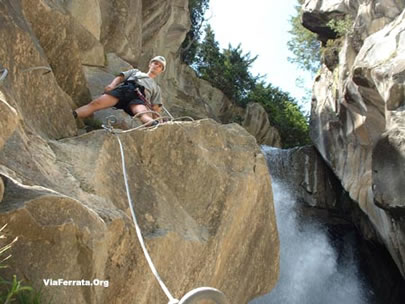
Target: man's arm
117,80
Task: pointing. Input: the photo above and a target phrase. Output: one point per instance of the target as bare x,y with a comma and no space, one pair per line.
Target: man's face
156,67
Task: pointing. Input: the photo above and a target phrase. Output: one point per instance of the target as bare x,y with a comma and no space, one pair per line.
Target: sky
261,27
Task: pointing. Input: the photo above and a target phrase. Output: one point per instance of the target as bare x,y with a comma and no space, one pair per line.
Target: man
138,89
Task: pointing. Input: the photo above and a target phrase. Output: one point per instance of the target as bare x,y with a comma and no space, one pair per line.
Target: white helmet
160,59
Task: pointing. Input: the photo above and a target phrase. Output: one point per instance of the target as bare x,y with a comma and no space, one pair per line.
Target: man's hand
117,80
157,108
109,88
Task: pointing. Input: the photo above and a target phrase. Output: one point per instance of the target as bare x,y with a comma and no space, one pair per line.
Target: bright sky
261,26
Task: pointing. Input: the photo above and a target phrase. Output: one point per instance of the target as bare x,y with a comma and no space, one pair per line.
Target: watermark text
63,282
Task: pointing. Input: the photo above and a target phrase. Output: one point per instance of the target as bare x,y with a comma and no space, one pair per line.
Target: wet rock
310,180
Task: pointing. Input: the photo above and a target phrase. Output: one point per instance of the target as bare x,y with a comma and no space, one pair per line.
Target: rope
4,73
112,120
168,113
201,293
48,69
204,293
172,300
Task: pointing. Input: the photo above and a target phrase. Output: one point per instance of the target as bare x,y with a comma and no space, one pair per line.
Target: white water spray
311,269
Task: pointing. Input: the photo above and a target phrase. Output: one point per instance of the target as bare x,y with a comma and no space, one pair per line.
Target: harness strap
139,93
143,98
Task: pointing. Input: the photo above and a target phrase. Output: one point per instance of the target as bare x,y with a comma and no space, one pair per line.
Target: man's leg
102,102
138,108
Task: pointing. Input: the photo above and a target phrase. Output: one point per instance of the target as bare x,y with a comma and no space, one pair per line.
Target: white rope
152,267
112,120
4,73
200,293
168,113
48,69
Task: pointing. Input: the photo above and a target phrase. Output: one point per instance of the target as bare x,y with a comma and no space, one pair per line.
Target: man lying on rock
138,92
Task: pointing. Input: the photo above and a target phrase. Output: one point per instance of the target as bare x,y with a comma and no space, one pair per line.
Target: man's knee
104,101
138,109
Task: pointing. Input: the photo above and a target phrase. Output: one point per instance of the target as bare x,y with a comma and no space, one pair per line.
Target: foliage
341,26
284,114
227,70
209,58
190,45
238,81
303,44
14,290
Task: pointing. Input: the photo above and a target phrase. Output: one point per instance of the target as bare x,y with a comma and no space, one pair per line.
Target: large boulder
202,196
256,122
357,116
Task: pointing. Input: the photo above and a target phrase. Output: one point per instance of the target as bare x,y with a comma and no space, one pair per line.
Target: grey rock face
389,172
357,117
309,178
1,189
257,123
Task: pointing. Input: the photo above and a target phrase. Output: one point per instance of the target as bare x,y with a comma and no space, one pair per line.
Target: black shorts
127,96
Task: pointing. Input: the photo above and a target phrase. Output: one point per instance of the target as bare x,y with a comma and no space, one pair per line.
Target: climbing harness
201,293
143,98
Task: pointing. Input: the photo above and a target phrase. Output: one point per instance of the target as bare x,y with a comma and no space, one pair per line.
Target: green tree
303,44
209,59
227,70
284,113
189,47
237,80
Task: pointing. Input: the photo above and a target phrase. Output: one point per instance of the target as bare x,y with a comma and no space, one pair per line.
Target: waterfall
315,268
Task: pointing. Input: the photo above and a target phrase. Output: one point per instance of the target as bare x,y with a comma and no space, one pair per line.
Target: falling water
313,268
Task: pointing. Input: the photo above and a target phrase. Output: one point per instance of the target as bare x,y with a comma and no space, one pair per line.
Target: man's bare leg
102,102
145,118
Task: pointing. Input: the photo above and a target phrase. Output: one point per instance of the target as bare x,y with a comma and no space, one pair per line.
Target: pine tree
238,81
210,60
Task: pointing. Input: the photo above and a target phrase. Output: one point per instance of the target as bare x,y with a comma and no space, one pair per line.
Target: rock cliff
308,177
358,117
201,189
